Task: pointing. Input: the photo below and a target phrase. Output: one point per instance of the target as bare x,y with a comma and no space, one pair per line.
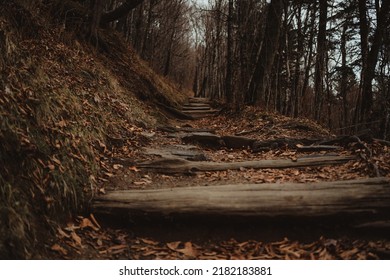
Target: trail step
363,199
189,107
180,166
197,104
198,100
198,107
191,112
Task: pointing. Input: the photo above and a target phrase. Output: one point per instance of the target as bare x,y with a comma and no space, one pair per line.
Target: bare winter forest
324,60
188,129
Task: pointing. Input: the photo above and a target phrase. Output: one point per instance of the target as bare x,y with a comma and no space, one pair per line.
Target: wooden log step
198,100
317,148
204,138
176,166
341,199
200,112
197,104
196,108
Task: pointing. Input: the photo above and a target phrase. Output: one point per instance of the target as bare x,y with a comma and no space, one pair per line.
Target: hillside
63,102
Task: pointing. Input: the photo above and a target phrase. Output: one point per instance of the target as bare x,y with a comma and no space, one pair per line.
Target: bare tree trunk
147,28
320,61
344,76
364,30
309,56
229,56
96,10
297,75
269,48
372,59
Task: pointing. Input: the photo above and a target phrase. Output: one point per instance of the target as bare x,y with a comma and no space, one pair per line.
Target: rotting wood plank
203,138
341,198
237,142
200,112
197,104
196,108
172,166
199,100
317,148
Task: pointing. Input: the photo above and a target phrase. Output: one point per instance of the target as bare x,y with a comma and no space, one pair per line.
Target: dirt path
107,235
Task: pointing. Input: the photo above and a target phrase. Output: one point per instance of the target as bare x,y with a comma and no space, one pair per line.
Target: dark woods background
327,60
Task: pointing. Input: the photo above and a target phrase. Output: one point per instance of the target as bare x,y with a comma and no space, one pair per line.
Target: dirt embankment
63,103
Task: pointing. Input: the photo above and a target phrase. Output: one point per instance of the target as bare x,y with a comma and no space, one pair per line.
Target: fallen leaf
117,166
61,124
62,233
294,159
188,250
115,248
150,253
108,174
59,249
349,254
133,168
86,223
173,245
93,219
76,238
149,242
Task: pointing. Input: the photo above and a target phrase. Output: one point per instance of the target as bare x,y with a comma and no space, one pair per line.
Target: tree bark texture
356,198
320,60
179,166
269,48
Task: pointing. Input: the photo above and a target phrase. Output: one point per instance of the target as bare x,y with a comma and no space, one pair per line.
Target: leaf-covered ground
87,238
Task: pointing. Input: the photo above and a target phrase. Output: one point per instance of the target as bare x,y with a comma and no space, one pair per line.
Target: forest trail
220,188
198,108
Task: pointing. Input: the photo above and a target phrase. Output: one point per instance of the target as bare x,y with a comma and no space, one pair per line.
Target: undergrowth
61,101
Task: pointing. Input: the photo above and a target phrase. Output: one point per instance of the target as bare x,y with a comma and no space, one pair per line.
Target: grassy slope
61,102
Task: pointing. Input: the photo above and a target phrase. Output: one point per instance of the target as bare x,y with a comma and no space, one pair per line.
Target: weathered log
178,151
291,143
200,112
196,108
204,139
364,197
197,104
169,166
317,148
237,142
199,100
